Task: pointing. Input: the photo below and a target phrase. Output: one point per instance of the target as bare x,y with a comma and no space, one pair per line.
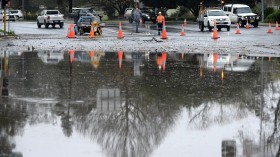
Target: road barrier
120,33
164,34
269,28
215,31
238,30
183,31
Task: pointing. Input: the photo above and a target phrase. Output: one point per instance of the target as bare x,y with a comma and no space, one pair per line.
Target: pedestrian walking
136,15
160,20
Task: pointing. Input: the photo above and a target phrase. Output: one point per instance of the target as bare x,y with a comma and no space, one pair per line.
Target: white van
240,13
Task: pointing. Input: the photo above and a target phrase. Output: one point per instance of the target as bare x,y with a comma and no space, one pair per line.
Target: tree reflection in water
12,120
134,130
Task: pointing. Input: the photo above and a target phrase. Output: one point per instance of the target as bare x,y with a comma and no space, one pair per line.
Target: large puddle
146,104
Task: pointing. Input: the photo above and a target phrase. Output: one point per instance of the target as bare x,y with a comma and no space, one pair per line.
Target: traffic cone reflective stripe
120,33
215,31
269,28
164,35
185,22
276,26
238,30
159,61
183,31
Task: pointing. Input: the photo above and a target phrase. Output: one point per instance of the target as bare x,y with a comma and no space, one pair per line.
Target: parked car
78,12
242,14
50,17
148,14
17,14
84,25
9,16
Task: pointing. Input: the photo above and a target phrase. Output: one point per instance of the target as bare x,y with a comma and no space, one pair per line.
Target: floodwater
157,104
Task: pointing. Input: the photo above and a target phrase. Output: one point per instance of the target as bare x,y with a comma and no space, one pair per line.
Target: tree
119,5
170,4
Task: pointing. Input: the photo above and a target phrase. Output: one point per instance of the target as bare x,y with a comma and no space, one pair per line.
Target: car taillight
48,17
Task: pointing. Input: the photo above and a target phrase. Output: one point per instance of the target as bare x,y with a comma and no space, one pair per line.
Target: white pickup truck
207,17
50,17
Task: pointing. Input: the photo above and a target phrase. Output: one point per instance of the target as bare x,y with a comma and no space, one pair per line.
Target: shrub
275,16
268,11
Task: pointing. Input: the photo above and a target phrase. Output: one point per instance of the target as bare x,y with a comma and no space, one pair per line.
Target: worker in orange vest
160,20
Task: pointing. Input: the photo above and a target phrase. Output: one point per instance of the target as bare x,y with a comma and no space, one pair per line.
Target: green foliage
31,16
9,33
275,16
268,11
257,10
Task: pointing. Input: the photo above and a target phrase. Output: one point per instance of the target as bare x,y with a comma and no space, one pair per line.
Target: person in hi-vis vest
160,20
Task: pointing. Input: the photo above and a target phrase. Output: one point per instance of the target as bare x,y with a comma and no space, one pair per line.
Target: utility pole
70,6
262,11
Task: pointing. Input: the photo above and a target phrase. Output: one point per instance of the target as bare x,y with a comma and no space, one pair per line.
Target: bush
30,16
275,16
268,11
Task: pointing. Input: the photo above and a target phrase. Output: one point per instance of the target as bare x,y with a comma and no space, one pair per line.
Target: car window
216,13
52,12
244,10
14,11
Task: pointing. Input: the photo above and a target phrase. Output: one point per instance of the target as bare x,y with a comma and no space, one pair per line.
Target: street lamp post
262,11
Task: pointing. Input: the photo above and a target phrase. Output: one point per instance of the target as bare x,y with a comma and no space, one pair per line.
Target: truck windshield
53,12
244,10
216,13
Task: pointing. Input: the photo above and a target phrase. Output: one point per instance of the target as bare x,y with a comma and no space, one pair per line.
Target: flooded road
155,104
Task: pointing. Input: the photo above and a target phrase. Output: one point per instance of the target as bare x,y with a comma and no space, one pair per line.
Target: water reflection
130,104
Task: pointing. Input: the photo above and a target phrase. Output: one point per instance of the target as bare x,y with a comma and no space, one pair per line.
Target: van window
225,8
229,9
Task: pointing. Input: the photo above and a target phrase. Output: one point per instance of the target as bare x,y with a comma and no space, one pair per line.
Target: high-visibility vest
160,19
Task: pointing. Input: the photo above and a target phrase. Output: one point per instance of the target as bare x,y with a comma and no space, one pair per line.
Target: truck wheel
46,25
81,32
256,24
143,21
209,27
228,28
61,25
201,26
53,25
38,24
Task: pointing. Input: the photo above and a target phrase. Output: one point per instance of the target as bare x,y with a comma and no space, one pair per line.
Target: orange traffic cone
91,33
269,28
183,31
247,25
276,26
238,30
120,55
164,35
71,55
71,31
215,32
120,33
185,22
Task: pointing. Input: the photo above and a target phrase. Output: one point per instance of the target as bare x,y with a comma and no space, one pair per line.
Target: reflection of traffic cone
215,60
71,32
185,22
247,25
164,57
276,26
183,31
91,54
164,35
269,28
238,30
215,32
159,61
71,55
120,55
91,33
120,33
